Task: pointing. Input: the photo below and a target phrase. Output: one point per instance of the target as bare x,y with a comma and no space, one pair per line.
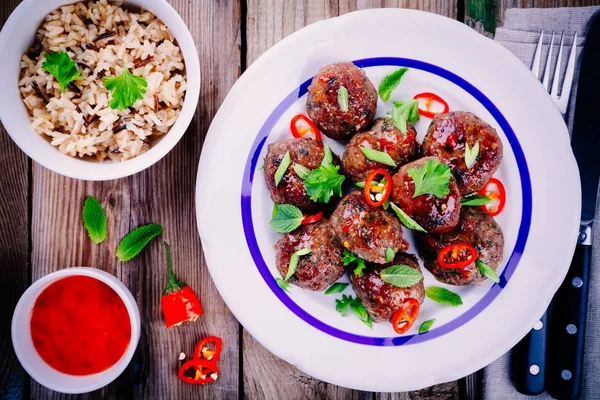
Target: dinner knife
568,311
529,359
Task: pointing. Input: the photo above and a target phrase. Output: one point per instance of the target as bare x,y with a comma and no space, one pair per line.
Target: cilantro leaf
471,154
431,178
126,89
390,83
348,258
403,112
286,218
324,182
336,288
62,68
443,296
343,305
94,220
343,98
349,303
135,241
401,276
426,325
283,284
487,271
406,220
475,200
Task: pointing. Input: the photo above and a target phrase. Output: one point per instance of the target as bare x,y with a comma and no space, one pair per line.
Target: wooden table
41,229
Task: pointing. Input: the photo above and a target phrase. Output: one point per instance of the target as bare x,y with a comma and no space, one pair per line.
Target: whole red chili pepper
179,302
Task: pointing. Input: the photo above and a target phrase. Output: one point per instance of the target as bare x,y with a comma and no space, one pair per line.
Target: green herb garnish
349,258
390,83
475,200
443,296
301,171
294,262
406,220
283,166
286,218
336,288
275,208
487,271
283,284
126,89
389,254
471,154
135,241
404,112
426,325
324,182
400,276
343,98
378,156
62,68
347,303
94,220
361,184
431,178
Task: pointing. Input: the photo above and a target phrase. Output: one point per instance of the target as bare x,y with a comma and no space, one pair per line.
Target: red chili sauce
80,326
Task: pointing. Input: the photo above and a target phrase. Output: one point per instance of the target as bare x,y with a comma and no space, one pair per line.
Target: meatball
317,270
382,299
306,152
446,139
323,105
365,230
476,228
434,214
383,136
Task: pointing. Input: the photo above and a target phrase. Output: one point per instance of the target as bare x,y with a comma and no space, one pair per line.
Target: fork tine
570,73
537,58
548,61
554,92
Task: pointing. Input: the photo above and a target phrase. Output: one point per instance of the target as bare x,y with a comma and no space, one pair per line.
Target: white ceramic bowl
16,37
37,368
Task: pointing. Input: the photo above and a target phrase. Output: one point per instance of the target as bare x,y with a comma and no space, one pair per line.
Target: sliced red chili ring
206,352
198,372
376,193
430,98
311,219
302,125
457,255
406,316
498,195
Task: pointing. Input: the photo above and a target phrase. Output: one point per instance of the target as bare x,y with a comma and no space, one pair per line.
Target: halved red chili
457,255
302,125
198,372
376,193
311,219
430,98
406,316
206,351
499,196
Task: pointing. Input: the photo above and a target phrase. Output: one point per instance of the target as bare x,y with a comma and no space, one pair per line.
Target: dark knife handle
567,320
529,359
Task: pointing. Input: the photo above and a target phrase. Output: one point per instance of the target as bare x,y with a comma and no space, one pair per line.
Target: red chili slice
311,219
302,125
457,256
498,195
430,98
372,190
406,316
206,352
198,372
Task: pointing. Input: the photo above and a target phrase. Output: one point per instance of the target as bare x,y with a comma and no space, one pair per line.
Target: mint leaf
488,271
283,284
378,156
294,259
324,182
431,178
390,83
401,276
135,241
301,171
336,288
286,218
126,89
406,220
62,68
349,258
283,166
343,98
426,325
471,154
389,254
475,200
443,296
94,220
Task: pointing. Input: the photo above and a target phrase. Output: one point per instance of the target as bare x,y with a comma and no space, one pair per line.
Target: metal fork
561,101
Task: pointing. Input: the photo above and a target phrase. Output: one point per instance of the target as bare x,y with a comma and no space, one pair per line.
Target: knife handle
529,359
567,324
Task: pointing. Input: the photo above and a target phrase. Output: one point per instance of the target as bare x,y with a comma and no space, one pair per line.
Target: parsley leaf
62,68
475,200
471,154
401,276
349,258
487,271
406,220
126,89
426,325
403,112
390,83
283,166
431,178
389,254
135,241
94,220
443,296
343,98
336,288
286,218
347,303
324,182
283,284
294,259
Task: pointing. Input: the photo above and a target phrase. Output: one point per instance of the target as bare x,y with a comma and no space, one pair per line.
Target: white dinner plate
540,221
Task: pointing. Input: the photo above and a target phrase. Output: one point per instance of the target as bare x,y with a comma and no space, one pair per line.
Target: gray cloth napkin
520,34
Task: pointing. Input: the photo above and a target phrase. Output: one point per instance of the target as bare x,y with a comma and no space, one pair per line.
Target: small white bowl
37,368
15,38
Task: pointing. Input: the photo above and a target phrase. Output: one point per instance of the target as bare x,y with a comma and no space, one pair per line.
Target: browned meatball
306,152
323,106
383,136
434,214
477,229
365,230
382,299
446,139
317,270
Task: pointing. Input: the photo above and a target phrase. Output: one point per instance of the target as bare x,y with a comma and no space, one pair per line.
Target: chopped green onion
343,98
285,163
378,156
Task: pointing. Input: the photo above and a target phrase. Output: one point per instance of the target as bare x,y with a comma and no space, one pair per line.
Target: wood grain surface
41,229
